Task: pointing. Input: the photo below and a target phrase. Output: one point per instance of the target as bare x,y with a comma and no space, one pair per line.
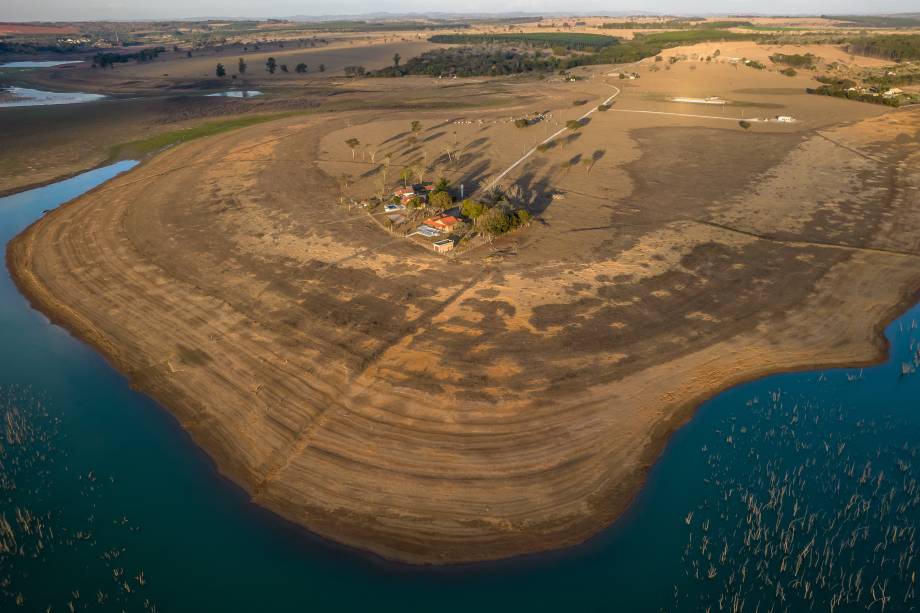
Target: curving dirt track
437,410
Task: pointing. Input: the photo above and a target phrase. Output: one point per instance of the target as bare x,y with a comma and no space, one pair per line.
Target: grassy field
161,141
688,37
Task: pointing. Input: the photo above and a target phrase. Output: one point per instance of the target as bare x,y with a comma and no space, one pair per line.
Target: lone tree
271,65
472,209
573,124
396,58
322,68
353,143
242,66
744,124
221,72
301,68
284,68
416,126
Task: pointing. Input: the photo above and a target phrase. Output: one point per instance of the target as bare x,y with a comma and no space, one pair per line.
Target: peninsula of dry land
510,398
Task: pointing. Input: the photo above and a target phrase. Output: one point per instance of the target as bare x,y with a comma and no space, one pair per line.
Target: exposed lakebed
800,485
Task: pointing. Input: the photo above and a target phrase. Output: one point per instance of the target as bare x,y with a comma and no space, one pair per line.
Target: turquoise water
798,491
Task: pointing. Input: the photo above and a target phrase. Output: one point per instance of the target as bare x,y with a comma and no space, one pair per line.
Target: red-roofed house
443,223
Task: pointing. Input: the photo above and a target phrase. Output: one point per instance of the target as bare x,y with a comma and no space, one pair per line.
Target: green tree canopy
472,209
441,200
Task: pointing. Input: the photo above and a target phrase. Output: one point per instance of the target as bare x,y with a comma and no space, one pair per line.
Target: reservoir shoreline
19,257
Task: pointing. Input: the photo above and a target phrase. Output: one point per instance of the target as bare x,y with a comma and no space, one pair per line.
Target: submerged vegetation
822,517
38,535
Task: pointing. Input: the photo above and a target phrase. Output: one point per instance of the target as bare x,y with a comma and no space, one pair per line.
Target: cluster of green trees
888,81
104,59
494,218
30,47
471,61
575,40
483,60
795,60
649,45
896,47
861,96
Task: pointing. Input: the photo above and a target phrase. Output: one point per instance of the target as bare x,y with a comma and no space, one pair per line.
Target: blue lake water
236,93
796,491
24,96
40,64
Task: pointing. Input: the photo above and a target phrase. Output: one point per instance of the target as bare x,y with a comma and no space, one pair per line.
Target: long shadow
395,137
473,178
538,192
371,173
438,126
568,140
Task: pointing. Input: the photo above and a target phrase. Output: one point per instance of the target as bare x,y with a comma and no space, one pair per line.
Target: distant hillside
904,20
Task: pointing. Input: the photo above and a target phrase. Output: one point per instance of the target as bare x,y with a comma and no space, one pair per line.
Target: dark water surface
793,492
